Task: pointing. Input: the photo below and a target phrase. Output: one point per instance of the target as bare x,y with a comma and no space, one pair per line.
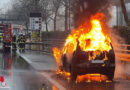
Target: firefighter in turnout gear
21,43
14,46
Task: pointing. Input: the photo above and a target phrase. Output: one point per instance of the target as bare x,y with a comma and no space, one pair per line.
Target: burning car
81,63
87,50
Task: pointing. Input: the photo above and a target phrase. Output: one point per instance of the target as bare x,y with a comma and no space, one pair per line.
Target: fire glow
91,36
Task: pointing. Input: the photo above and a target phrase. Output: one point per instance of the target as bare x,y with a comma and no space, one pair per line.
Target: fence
124,54
47,45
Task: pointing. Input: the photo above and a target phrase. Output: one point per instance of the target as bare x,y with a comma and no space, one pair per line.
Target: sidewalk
39,60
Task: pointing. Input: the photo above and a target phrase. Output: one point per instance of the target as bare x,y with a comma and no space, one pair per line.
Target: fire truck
1,32
6,32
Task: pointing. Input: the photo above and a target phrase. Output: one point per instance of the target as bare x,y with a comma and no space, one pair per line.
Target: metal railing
47,45
124,54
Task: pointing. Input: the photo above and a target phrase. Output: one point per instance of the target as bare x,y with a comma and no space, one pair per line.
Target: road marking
58,85
5,87
24,58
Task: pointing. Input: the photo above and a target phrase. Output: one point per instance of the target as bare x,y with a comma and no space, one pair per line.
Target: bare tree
125,12
55,7
65,3
21,10
46,11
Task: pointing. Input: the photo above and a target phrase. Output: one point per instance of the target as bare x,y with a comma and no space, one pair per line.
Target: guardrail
46,46
124,54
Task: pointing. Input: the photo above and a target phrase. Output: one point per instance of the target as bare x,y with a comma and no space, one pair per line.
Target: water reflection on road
19,75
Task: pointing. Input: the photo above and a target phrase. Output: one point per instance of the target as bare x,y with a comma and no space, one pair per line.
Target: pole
117,16
69,15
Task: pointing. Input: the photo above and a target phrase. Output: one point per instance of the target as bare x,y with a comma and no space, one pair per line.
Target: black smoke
84,9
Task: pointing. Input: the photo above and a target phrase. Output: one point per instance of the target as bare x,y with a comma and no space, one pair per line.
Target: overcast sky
4,5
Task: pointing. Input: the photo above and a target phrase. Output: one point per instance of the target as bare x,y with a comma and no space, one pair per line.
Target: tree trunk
26,24
66,18
55,22
125,12
46,25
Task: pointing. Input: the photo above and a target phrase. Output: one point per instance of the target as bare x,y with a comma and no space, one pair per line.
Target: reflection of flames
93,77
54,88
64,74
87,77
3,84
89,37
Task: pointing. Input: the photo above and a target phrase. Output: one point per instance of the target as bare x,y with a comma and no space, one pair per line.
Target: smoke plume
84,9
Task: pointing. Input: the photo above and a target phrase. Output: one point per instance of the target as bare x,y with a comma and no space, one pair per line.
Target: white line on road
58,85
24,58
4,87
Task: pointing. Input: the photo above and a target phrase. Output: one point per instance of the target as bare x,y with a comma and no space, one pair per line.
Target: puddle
19,75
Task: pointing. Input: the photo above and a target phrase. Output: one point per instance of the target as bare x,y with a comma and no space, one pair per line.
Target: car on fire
87,50
81,63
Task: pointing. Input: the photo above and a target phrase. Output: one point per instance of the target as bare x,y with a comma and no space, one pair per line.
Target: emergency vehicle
6,32
1,32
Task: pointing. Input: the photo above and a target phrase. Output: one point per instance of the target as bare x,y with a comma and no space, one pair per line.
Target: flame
82,78
91,36
91,77
57,55
95,39
54,88
64,74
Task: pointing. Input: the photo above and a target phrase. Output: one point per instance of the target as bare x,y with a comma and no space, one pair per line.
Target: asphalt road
47,69
19,75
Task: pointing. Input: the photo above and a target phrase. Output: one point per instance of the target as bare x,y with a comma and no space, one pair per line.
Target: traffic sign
35,21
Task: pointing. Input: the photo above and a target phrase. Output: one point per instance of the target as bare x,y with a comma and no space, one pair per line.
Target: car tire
73,74
110,76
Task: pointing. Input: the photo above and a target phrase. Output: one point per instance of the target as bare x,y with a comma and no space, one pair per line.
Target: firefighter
24,40
14,47
21,43
18,41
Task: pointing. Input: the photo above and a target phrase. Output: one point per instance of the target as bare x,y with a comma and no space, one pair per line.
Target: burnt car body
80,64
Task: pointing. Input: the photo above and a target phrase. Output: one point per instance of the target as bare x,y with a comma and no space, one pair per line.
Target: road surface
47,69
20,75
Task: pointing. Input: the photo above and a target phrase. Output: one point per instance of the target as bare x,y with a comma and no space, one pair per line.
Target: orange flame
57,55
91,77
91,36
95,39
64,74
90,39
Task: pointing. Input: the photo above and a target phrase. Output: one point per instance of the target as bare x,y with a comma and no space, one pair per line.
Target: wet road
17,74
117,84
21,75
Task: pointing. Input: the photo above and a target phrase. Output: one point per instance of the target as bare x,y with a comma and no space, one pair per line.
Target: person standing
14,46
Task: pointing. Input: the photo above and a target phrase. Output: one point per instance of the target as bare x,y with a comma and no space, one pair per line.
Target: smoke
84,9
117,40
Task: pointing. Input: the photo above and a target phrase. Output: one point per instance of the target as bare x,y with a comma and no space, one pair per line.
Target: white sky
4,5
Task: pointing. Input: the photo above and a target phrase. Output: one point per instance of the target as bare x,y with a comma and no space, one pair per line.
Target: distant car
80,64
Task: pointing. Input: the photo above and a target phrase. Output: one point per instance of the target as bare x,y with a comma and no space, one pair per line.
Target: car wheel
110,76
73,74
